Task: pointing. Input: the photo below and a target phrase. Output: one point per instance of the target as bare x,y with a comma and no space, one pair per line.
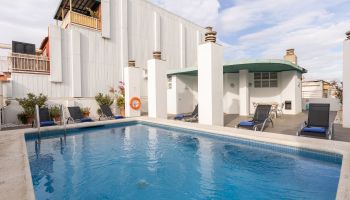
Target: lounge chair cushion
179,116
315,129
47,123
246,123
86,120
118,117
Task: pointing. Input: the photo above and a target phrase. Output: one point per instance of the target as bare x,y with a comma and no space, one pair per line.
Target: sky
248,29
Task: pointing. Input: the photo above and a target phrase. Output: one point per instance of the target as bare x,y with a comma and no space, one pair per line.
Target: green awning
265,65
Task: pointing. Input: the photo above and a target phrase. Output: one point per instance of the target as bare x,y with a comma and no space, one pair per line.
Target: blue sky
252,29
248,29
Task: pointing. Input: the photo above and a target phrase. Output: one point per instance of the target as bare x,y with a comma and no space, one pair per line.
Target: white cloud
25,20
248,28
202,12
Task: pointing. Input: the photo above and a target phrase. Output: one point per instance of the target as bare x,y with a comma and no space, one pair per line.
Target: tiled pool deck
15,178
289,124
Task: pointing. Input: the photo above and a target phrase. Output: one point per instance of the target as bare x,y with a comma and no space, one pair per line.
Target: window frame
265,79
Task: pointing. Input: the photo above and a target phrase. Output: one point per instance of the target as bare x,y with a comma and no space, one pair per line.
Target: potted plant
28,104
121,98
55,113
121,105
85,111
103,100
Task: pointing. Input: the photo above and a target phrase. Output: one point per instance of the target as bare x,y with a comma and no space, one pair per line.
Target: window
265,80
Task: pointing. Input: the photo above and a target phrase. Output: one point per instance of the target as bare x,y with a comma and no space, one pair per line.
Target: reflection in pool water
148,162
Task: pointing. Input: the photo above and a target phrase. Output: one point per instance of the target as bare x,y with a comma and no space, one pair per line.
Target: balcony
82,20
25,63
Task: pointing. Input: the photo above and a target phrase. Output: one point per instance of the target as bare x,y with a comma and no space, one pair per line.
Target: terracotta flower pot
57,118
30,120
122,111
86,114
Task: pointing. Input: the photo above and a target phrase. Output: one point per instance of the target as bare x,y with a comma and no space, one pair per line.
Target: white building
346,82
316,89
263,81
89,48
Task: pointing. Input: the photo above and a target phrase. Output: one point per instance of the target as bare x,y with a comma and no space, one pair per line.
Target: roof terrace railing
25,63
82,20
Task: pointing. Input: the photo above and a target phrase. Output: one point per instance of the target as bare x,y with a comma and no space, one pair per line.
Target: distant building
317,89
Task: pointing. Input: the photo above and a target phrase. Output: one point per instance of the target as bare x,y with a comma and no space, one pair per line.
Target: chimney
291,57
132,63
157,55
210,35
347,35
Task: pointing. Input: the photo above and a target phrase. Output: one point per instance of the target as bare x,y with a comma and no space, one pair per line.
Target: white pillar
210,84
244,98
157,31
132,77
182,46
75,64
106,18
123,37
157,88
346,83
55,43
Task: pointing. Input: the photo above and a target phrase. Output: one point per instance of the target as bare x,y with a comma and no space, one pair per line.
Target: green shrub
85,110
121,101
28,103
104,99
55,111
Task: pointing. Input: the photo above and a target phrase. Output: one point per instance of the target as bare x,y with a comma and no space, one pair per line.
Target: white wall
312,89
14,108
102,59
335,104
287,90
231,93
291,90
181,95
143,38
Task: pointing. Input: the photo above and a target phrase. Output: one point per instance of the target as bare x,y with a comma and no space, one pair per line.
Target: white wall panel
106,18
55,53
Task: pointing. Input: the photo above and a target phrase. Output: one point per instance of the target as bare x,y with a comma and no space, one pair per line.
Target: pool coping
15,176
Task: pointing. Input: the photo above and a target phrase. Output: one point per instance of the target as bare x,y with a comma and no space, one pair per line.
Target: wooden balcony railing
82,20
26,63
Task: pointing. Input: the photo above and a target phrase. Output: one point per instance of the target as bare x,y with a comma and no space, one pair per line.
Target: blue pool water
140,161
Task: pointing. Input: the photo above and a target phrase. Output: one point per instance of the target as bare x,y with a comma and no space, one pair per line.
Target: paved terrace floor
289,124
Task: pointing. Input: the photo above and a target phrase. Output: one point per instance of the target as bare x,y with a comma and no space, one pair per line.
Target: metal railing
82,20
28,63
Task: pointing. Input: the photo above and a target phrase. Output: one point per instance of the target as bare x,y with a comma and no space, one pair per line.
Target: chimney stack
157,55
210,35
291,57
132,63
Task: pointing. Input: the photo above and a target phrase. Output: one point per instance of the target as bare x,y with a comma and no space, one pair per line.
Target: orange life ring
135,103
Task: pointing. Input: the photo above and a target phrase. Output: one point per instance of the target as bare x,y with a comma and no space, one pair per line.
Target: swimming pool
146,161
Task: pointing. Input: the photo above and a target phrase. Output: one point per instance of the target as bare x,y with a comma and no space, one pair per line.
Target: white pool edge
342,148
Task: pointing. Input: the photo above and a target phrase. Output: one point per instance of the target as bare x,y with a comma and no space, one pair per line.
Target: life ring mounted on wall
135,103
